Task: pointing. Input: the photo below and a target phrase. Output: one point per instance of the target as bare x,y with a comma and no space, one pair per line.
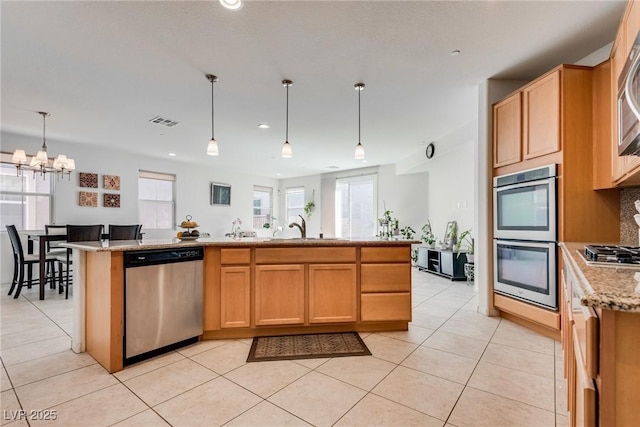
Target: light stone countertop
146,244
609,288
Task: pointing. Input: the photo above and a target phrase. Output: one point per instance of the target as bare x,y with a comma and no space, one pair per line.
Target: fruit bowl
188,238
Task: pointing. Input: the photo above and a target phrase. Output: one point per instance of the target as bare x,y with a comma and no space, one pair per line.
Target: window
356,206
156,200
295,203
262,203
25,201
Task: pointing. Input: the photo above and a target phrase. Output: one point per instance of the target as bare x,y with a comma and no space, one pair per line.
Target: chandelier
39,163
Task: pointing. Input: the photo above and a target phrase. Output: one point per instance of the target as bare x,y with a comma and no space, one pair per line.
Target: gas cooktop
612,255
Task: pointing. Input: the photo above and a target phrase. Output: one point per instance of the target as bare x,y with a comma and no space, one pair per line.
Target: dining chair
22,261
77,233
124,232
54,248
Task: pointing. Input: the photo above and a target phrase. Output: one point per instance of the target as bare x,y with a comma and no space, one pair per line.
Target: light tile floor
453,367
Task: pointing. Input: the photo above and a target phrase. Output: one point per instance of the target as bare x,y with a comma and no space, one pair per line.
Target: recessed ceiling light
172,154
278,174
455,52
231,4
364,161
264,126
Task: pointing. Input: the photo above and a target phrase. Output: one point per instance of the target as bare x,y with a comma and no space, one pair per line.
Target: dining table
42,237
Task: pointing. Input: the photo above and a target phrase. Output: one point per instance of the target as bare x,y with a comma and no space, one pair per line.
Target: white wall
413,197
192,191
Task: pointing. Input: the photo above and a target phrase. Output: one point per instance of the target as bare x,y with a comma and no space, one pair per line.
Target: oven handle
549,181
628,89
526,244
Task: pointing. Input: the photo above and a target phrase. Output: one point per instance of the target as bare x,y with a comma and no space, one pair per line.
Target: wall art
111,182
88,179
110,200
220,194
88,199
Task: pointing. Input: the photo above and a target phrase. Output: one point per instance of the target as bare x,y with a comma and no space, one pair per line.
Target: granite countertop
610,288
136,245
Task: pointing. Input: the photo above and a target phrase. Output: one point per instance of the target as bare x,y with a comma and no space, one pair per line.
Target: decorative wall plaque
110,200
88,179
111,182
89,199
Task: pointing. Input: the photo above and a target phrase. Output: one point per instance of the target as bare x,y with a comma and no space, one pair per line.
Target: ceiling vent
164,122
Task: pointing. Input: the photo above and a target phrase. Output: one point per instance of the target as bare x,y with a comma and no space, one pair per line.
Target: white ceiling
103,69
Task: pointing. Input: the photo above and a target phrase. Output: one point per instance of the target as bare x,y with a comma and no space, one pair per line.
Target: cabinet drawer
235,256
395,254
385,277
385,307
305,254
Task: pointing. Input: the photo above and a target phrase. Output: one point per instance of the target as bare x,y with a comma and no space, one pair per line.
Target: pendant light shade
212,147
287,151
359,153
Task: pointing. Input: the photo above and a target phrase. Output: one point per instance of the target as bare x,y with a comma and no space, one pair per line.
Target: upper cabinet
526,125
507,131
541,116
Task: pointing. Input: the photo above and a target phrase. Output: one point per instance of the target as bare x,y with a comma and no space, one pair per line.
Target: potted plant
407,232
465,244
308,208
427,235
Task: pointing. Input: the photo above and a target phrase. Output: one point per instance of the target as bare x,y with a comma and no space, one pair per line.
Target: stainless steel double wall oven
525,235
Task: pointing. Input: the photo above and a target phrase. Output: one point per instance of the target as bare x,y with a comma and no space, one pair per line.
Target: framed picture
450,235
220,194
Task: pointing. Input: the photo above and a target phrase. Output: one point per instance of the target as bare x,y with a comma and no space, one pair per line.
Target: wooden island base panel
261,287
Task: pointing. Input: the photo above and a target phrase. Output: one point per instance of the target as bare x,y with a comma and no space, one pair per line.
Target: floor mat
307,346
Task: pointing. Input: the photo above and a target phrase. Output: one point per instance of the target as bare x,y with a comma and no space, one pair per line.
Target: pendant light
61,166
287,152
212,147
359,154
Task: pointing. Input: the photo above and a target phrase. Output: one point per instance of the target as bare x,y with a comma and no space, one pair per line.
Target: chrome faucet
302,228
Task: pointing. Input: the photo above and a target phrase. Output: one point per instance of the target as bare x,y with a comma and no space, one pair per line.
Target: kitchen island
254,287
600,309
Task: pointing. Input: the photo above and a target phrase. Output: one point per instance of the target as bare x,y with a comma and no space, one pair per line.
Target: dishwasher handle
162,256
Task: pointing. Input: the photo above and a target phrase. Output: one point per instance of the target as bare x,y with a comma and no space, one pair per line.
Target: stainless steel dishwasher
163,300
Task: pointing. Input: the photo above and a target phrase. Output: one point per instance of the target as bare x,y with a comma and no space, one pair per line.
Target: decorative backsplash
628,226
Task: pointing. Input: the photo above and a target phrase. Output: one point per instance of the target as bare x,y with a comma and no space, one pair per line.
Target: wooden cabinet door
541,116
584,395
279,294
631,26
235,297
507,131
332,293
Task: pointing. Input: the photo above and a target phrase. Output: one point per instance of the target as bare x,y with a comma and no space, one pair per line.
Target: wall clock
431,149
